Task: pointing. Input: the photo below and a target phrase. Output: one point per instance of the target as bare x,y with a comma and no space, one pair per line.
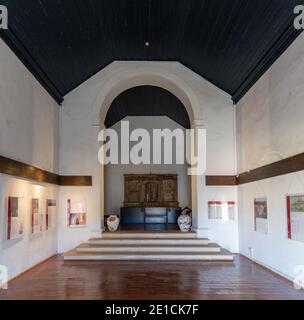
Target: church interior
151,150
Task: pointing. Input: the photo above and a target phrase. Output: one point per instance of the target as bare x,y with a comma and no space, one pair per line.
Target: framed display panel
15,219
221,210
231,210
215,210
295,217
260,215
50,217
37,217
76,214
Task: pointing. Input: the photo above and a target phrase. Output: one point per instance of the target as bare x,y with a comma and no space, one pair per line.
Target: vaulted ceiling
231,43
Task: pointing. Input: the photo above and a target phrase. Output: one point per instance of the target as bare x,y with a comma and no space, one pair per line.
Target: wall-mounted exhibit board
19,248
295,217
15,219
221,210
50,215
76,213
36,217
260,215
26,207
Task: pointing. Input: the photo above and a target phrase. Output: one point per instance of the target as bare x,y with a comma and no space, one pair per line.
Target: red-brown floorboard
56,279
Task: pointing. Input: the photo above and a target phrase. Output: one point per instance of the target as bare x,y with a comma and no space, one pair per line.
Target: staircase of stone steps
149,246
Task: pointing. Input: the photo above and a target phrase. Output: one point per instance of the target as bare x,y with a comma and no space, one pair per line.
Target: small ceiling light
147,44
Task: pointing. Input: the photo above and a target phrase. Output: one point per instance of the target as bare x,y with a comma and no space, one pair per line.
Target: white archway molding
87,106
125,78
197,94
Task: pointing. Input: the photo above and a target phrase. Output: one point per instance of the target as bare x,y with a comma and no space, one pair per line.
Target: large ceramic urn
113,222
184,220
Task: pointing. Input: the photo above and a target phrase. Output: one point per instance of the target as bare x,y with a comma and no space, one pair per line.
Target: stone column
198,183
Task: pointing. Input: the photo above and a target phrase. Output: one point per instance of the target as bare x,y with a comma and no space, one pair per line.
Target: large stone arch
119,77
123,78
140,80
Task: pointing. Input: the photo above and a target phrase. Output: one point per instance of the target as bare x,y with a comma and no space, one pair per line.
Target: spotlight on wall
147,44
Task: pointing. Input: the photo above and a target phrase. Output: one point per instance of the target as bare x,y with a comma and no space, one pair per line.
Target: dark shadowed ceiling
147,100
231,43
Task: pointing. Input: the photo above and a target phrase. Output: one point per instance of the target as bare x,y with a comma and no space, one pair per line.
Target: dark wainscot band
23,170
285,166
279,168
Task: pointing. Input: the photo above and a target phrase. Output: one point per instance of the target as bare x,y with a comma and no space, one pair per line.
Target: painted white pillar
102,188
198,188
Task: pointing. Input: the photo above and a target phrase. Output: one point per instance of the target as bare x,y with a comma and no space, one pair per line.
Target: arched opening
127,76
147,100
147,108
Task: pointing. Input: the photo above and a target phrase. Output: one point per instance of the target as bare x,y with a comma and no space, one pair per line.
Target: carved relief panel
150,190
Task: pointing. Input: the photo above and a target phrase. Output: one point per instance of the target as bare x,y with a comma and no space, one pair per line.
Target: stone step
141,241
149,234
155,248
223,255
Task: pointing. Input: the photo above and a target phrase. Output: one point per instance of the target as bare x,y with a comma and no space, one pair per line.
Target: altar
150,199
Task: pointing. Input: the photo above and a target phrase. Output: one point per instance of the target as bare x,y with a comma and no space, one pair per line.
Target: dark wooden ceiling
231,43
147,100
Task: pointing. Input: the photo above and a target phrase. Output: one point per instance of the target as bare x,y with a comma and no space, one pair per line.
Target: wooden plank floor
56,279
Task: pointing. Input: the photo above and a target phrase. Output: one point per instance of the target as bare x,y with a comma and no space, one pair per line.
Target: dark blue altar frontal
167,216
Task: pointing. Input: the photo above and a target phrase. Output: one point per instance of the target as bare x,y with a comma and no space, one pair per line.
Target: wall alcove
146,107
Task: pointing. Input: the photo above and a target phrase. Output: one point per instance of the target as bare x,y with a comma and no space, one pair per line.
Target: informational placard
215,210
37,217
221,210
295,217
15,221
50,217
77,216
260,215
231,210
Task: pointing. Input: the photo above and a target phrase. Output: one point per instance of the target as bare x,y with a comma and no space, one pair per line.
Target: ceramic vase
184,222
113,223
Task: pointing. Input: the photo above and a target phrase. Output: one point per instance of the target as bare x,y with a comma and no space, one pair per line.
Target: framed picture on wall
15,219
221,210
77,216
260,215
215,210
231,210
50,217
295,217
37,217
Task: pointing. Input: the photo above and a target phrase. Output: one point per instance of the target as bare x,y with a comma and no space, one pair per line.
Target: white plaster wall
78,155
269,117
89,103
269,128
29,117
86,106
114,179
29,132
224,232
20,255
